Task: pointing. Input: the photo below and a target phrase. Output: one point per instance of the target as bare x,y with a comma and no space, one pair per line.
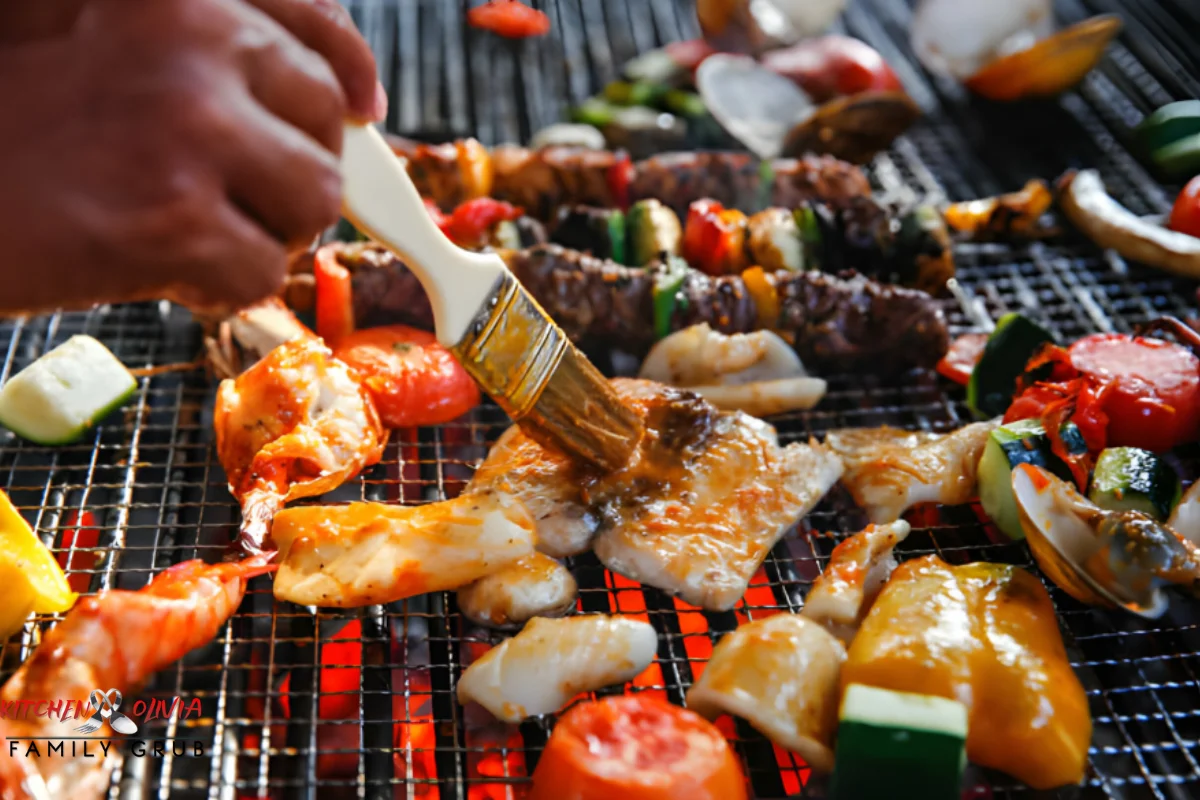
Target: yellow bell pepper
30,579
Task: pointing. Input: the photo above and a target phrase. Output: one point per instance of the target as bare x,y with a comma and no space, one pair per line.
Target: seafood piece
370,553
757,373
1014,215
240,341
113,640
1101,557
545,483
889,471
705,498
534,586
986,636
857,571
552,660
297,424
781,675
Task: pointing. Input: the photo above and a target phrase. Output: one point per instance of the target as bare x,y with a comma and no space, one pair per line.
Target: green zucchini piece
899,745
651,229
668,281
1023,442
59,397
1008,350
766,185
655,66
1181,157
1129,479
1169,124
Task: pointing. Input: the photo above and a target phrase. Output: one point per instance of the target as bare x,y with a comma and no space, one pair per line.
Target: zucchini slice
1008,350
1023,442
1129,479
899,745
651,230
56,399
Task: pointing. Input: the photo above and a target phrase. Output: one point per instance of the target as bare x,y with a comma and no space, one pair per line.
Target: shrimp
113,640
296,424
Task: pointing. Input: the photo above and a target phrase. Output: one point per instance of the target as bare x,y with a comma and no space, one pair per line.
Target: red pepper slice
82,534
620,177
335,296
509,18
960,360
714,238
471,222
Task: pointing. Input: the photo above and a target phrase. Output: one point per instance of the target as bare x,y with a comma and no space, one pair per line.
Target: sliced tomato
1154,402
413,380
471,222
960,360
636,748
509,18
335,296
1185,214
832,66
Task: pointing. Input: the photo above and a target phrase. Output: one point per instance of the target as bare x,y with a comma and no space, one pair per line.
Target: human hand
174,148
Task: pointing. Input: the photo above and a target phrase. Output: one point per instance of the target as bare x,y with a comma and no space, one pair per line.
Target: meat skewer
836,323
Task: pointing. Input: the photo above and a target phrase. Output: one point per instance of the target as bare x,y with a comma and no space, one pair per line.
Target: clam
1009,50
853,128
752,26
772,116
1119,559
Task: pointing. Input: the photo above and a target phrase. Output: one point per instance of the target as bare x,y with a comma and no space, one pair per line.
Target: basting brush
486,318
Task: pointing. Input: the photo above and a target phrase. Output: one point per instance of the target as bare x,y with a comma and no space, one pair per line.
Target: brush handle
380,199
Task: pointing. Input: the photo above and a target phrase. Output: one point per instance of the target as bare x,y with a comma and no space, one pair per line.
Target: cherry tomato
961,358
470,223
714,238
1185,215
435,214
412,379
1154,403
636,748
335,296
509,18
832,66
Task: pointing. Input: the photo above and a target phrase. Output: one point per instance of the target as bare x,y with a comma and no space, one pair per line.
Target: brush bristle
527,364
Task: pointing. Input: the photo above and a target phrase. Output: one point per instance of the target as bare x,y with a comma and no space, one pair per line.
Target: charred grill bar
362,703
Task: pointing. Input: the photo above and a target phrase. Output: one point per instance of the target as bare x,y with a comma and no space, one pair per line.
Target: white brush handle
381,200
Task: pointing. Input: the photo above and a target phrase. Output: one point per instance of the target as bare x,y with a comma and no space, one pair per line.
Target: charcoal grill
362,703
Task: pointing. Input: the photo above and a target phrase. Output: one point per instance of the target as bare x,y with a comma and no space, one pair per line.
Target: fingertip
381,102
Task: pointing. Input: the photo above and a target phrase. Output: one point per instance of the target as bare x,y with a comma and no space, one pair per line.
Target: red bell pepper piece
471,222
620,177
960,360
335,296
509,18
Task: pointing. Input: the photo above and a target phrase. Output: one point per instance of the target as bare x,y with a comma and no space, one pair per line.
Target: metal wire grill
362,703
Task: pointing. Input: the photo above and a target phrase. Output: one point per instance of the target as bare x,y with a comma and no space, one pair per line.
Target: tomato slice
1154,402
412,379
509,18
960,360
636,748
1185,214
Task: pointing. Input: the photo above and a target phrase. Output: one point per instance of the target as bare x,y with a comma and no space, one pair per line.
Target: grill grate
362,703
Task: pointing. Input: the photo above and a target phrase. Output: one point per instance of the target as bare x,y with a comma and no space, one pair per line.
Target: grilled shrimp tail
254,538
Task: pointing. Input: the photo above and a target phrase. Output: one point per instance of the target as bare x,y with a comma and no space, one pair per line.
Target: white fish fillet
781,675
370,553
889,471
858,568
702,533
552,660
535,586
544,482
